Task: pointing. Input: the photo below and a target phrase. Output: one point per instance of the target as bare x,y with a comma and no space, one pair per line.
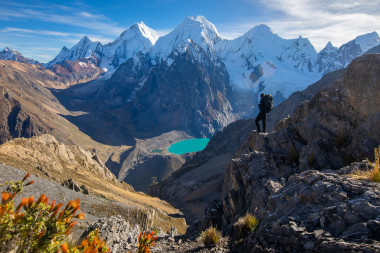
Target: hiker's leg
257,123
264,119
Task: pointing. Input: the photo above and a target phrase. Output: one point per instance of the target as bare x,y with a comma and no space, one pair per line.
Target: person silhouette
265,106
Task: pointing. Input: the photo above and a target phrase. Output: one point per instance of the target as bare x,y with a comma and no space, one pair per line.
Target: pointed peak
199,21
140,29
329,46
6,49
84,39
138,25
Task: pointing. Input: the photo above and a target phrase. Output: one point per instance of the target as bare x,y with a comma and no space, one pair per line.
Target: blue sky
39,29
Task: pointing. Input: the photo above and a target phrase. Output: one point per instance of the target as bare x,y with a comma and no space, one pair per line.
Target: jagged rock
173,231
69,183
293,176
84,189
118,233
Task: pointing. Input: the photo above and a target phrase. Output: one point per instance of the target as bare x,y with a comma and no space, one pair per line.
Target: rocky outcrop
322,212
119,234
69,183
277,174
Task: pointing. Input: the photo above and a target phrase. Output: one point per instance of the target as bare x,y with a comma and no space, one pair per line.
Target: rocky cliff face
277,173
188,93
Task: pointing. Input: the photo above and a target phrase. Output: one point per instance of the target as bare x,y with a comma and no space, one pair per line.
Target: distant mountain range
192,79
14,55
259,60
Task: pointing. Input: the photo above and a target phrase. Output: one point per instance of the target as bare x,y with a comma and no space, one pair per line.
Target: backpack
266,103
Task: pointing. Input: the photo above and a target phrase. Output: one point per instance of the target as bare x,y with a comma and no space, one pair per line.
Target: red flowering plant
34,226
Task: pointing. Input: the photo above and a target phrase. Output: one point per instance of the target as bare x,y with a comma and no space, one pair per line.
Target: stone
118,233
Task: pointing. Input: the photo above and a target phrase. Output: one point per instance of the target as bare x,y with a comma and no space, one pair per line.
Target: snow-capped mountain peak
145,31
197,29
329,47
367,41
83,49
12,54
259,30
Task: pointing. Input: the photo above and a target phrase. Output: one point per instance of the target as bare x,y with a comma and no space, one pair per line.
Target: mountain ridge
258,61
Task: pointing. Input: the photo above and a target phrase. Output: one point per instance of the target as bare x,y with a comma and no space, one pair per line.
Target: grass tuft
372,174
210,237
245,225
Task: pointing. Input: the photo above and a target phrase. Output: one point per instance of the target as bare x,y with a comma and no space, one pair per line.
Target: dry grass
211,236
246,225
373,173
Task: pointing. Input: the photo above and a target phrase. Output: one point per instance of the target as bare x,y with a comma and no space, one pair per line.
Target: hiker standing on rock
265,106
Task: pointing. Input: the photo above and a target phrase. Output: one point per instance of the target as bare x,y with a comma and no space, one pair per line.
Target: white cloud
68,16
338,21
39,32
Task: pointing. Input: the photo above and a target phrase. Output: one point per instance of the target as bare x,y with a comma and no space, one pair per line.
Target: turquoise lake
188,146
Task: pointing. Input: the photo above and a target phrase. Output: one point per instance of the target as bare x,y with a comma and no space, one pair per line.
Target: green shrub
210,237
246,225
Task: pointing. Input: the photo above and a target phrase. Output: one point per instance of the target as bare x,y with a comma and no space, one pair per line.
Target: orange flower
73,224
29,183
26,176
30,201
69,204
64,248
41,198
80,216
5,196
84,243
56,209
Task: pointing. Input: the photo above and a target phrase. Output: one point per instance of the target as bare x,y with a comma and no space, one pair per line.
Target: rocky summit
294,179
